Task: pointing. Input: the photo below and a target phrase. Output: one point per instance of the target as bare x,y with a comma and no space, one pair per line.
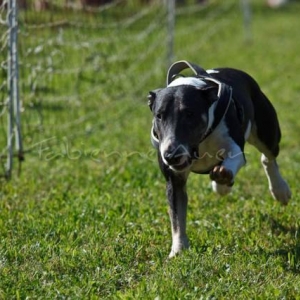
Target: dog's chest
213,150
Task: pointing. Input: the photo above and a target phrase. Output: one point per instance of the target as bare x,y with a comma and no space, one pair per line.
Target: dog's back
258,110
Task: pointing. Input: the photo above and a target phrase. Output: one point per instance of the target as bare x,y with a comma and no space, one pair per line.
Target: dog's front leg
177,198
222,175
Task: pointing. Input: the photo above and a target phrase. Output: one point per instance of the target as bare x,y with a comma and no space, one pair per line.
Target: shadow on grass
278,228
291,257
290,253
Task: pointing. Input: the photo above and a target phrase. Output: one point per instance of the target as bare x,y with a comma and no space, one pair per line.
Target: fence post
171,31
10,110
13,103
245,5
17,105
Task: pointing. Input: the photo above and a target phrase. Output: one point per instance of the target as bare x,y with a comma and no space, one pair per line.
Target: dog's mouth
182,165
180,168
177,157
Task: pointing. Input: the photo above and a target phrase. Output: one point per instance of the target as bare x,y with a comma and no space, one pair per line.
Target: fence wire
74,59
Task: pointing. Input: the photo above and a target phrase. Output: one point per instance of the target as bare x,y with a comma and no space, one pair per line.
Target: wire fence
61,54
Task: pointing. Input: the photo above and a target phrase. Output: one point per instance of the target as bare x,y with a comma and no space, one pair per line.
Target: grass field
87,218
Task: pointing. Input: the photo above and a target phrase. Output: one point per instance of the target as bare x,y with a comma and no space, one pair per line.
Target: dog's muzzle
177,158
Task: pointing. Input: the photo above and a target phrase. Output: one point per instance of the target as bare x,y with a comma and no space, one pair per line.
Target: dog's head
182,112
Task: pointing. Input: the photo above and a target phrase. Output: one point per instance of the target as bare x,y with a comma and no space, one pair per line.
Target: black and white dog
201,124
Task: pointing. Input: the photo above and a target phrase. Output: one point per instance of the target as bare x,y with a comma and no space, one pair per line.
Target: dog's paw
281,192
221,189
173,253
222,176
178,246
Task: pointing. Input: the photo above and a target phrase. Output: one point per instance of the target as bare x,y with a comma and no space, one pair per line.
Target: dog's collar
220,106
154,138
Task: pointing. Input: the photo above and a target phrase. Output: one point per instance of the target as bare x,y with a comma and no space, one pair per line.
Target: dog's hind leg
265,136
277,185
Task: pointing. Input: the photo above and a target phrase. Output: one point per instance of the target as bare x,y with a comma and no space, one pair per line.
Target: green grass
87,218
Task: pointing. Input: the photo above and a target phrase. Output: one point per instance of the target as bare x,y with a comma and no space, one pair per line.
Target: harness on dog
221,106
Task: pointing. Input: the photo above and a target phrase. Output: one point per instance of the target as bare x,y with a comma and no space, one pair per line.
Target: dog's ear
210,93
209,87
151,98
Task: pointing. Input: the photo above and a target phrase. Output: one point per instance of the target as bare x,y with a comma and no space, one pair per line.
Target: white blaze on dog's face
182,113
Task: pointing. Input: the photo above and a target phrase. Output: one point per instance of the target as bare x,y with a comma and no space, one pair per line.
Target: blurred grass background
87,217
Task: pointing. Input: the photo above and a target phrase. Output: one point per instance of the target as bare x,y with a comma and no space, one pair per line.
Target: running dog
200,124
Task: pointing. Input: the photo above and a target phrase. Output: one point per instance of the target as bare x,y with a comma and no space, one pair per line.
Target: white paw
221,189
281,192
173,253
179,246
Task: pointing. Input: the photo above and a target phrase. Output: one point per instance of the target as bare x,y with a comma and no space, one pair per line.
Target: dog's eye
159,116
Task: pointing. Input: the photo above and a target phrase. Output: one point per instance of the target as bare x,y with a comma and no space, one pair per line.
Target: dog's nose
168,156
173,156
